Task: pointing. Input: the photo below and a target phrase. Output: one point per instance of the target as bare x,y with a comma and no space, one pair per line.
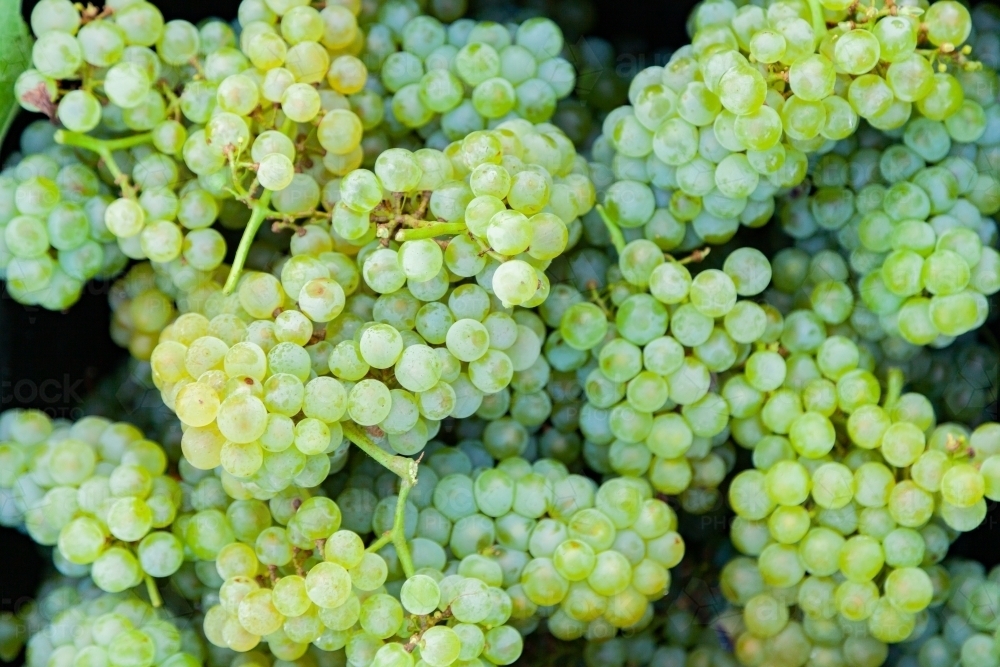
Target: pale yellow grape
347,74
308,62
205,354
340,131
197,404
236,637
167,361
328,585
257,613
246,359
241,459
322,299
242,418
202,447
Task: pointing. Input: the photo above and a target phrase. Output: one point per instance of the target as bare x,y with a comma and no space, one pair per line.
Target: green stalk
403,467
894,386
406,469
257,217
431,231
818,21
96,145
258,214
613,230
105,148
154,592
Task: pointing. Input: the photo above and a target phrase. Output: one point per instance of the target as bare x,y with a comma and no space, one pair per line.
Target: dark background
51,360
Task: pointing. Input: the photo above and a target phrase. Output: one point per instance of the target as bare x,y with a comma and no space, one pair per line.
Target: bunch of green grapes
962,626
599,554
73,622
842,523
507,201
52,233
446,81
729,122
389,337
304,61
820,282
199,129
122,73
648,361
913,220
97,491
139,310
582,558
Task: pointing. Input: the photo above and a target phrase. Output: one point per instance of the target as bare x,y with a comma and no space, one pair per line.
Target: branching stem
105,148
406,469
259,211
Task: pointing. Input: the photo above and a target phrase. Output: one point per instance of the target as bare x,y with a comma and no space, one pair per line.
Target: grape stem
431,231
426,623
613,230
105,148
406,469
258,214
154,592
818,20
894,386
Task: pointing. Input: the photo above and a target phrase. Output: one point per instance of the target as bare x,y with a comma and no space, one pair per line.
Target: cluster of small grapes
650,404
598,554
99,74
194,131
712,137
913,221
516,190
75,623
587,558
962,625
848,539
383,339
52,233
447,81
97,491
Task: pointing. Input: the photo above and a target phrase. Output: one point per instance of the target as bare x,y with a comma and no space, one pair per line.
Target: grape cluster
550,538
711,137
53,236
83,625
849,541
95,490
913,221
651,406
516,190
447,81
386,339
122,73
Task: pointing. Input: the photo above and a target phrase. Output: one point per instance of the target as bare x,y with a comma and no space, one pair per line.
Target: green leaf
15,57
